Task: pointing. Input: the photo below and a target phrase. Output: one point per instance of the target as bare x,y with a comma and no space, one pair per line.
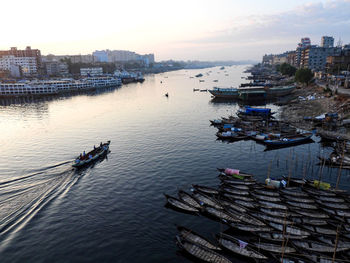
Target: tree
286,69
304,75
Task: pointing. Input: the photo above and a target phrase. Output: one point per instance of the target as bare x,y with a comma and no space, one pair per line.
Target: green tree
304,75
286,69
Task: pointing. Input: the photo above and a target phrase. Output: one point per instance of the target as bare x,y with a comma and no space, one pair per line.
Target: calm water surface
114,211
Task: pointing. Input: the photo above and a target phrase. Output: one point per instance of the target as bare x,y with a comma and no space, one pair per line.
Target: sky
180,30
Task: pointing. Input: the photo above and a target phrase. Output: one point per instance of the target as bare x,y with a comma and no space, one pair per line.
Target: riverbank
313,101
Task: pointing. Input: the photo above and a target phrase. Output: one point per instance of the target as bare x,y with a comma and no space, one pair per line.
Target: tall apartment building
304,43
28,52
121,56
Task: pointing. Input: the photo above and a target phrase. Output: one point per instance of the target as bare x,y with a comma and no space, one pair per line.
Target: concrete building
98,71
28,52
28,65
101,56
56,68
315,57
327,42
305,42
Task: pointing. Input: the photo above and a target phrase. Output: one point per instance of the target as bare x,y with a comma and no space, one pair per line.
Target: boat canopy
257,110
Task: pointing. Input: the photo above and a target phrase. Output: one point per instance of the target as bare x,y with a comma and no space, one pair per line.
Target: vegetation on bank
304,75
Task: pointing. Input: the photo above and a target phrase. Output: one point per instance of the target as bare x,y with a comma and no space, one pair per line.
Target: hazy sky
181,29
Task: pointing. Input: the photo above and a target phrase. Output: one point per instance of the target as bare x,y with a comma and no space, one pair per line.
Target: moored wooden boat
206,189
178,204
206,200
274,248
189,199
317,246
279,237
238,247
91,156
200,252
192,236
290,229
300,138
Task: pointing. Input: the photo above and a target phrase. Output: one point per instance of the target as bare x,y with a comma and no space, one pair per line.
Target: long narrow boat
189,199
274,248
91,156
239,247
279,237
317,246
300,138
192,236
200,252
178,204
205,189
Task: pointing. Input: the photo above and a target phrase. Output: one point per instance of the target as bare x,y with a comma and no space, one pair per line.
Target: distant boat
215,80
222,68
203,90
195,89
199,75
166,94
201,80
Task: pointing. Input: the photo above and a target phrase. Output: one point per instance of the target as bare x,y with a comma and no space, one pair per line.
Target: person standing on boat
100,144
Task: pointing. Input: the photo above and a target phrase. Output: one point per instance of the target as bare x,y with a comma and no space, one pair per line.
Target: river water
114,211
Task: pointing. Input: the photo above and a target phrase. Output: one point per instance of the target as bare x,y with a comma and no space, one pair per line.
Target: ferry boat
53,87
227,93
252,92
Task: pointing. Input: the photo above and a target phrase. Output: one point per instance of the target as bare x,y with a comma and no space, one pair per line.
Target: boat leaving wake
23,197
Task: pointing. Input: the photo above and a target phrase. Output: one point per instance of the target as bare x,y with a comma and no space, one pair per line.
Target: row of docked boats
259,125
54,87
297,223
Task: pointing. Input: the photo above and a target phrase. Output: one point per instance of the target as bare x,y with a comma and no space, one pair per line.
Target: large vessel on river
52,87
258,92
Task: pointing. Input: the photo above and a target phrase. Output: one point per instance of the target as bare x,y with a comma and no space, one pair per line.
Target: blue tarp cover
257,110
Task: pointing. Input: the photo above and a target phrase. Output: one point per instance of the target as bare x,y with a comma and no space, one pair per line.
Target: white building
28,65
91,71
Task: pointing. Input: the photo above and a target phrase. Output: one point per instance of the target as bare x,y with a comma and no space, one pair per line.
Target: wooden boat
340,213
294,181
200,252
236,197
275,219
245,204
189,199
246,218
320,192
206,200
342,206
302,205
251,228
233,206
233,191
238,247
331,242
192,236
320,230
274,212
237,187
289,229
267,193
300,138
235,173
279,237
272,205
294,192
206,189
312,214
229,135
331,199
274,248
309,221
91,156
317,246
298,200
221,214
267,198
176,203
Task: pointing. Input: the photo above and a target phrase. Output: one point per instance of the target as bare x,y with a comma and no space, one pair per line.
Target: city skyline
198,30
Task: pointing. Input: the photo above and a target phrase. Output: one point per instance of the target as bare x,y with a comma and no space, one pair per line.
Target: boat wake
23,197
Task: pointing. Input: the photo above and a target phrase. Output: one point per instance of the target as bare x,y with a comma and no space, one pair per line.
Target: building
28,65
56,68
315,57
305,42
100,56
339,62
98,71
327,42
291,58
28,52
